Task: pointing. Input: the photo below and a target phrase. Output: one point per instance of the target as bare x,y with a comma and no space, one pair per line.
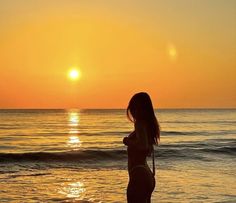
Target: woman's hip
142,176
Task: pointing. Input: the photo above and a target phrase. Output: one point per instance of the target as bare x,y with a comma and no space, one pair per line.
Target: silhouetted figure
140,145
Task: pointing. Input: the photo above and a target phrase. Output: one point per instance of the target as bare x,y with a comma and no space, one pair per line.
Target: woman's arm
141,136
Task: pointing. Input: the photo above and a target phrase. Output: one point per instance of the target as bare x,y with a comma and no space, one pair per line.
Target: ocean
78,155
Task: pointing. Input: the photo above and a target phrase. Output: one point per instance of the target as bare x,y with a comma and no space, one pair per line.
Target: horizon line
162,108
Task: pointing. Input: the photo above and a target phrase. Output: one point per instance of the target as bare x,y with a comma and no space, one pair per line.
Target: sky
182,52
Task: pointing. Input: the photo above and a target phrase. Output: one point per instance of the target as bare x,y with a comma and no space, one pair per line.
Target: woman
140,145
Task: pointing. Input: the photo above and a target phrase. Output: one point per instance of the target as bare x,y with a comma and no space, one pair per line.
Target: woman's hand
125,141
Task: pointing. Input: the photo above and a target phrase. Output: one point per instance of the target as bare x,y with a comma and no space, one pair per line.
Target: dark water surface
71,155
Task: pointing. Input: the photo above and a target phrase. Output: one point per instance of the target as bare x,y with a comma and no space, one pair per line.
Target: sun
74,74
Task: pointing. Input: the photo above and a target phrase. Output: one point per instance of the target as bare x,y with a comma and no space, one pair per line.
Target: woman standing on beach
140,145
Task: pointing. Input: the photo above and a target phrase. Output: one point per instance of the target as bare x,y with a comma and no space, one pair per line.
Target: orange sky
182,52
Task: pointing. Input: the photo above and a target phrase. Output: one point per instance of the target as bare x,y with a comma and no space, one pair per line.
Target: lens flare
172,52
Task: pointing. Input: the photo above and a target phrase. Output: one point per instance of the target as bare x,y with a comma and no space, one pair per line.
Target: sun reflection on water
73,119
73,140
73,190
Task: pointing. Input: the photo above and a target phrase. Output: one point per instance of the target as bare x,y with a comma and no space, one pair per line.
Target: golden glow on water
73,119
73,140
185,182
190,175
73,190
73,132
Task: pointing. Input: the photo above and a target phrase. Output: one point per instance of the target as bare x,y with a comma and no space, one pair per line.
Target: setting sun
74,74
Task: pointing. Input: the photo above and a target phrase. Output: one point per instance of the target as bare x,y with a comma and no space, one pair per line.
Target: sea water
78,155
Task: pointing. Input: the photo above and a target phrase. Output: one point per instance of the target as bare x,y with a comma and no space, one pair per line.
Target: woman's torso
137,157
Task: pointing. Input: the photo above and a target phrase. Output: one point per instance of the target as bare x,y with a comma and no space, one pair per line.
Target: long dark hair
140,109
